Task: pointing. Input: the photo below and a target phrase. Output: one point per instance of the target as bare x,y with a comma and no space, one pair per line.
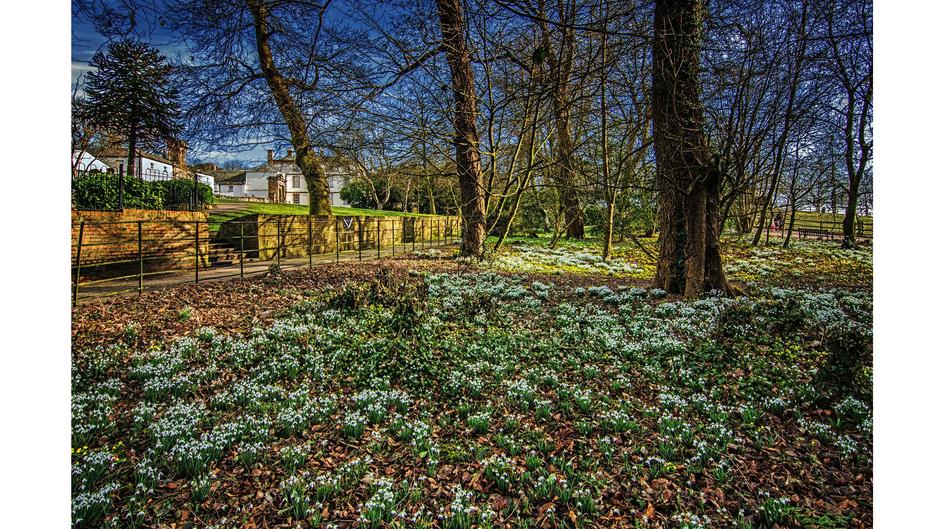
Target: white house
87,162
149,166
205,178
256,181
230,184
153,167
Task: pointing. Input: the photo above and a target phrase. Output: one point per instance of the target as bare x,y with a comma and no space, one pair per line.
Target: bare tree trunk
524,183
317,185
786,241
787,121
432,206
688,178
466,138
560,67
131,152
610,190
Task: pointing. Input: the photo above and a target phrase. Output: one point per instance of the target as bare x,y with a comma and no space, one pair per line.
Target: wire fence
123,257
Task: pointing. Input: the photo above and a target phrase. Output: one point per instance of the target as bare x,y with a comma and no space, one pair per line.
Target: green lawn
249,208
828,220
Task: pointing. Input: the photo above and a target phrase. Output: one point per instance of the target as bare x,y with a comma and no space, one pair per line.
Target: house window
230,189
296,182
296,197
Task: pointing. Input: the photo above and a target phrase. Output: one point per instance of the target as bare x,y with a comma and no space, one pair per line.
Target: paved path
158,280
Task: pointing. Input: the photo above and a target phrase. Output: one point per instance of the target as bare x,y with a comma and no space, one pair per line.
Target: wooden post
78,262
197,251
241,249
140,257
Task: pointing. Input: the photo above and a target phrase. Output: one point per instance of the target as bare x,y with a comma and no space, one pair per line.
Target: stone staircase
223,253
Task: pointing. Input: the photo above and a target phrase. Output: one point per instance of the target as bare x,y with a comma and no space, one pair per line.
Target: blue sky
86,41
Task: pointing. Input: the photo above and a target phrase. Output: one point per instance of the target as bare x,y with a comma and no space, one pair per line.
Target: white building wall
209,180
87,162
237,190
151,169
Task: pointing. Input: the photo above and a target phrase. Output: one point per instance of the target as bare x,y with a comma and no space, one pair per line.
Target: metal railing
817,229
123,257
174,198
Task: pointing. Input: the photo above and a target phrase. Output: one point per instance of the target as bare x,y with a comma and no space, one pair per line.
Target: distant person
778,222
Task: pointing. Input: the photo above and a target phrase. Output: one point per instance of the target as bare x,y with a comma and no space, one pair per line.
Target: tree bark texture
688,178
560,64
317,185
466,137
131,152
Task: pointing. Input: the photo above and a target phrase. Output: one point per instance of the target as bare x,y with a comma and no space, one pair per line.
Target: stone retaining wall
264,236
110,240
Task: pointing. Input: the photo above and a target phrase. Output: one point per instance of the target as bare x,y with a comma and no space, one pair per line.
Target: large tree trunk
466,138
560,64
688,178
571,208
131,152
317,185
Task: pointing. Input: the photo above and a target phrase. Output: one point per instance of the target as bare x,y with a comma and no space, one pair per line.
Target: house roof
119,153
232,178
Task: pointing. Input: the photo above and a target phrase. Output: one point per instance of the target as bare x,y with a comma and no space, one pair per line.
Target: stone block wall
110,241
264,236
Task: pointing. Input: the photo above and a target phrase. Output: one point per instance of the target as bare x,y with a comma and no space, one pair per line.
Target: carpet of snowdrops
484,399
804,261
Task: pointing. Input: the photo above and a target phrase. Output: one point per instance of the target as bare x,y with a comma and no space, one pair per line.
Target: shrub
849,350
177,193
736,321
100,191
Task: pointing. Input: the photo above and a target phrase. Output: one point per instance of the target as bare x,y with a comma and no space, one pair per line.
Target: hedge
100,191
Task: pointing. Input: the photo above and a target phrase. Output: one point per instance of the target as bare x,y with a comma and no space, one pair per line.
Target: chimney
176,152
270,156
290,153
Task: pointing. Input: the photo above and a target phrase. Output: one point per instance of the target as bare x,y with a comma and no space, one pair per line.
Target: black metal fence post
241,249
336,225
414,233
309,241
140,257
197,251
195,197
393,237
359,231
78,262
277,248
121,187
378,231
